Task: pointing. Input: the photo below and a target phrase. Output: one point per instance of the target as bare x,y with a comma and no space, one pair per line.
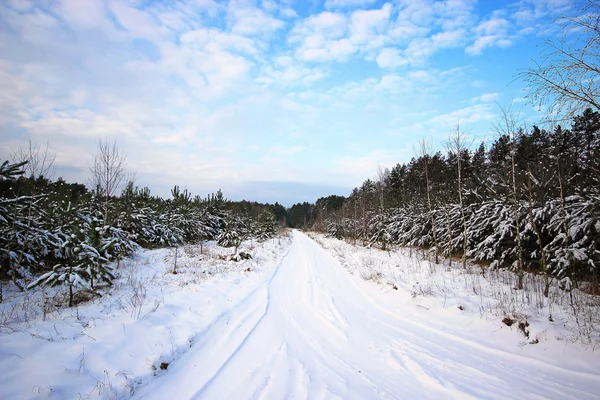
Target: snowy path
311,330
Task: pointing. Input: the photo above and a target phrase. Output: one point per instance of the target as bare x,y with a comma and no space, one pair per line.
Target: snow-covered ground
298,325
108,347
491,294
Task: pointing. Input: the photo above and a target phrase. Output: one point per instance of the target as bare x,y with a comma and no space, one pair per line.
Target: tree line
58,233
530,202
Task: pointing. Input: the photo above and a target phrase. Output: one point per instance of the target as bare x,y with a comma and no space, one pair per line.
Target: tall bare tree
424,153
538,233
567,77
457,144
382,176
109,170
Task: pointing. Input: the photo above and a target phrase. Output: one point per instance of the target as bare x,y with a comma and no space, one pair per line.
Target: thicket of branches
531,202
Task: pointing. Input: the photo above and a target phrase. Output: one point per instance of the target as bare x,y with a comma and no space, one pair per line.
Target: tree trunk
538,236
449,235
563,207
435,242
462,208
520,272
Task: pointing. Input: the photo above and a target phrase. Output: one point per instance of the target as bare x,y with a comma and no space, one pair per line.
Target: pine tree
267,224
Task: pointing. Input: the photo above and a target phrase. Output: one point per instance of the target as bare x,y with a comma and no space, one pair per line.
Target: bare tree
567,77
457,144
538,233
382,176
424,153
38,160
108,170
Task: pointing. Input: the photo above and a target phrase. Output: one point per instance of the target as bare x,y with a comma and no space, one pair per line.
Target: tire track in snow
311,331
249,334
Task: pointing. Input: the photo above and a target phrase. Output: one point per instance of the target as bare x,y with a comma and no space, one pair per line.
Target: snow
304,322
108,348
488,293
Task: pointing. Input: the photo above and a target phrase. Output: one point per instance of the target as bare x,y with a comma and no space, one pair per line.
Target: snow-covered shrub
379,229
574,249
267,225
569,233
236,229
334,228
84,255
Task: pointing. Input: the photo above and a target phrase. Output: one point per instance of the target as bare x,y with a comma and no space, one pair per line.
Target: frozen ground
109,347
299,325
491,294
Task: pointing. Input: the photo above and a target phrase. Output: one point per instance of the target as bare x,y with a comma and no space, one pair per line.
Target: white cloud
289,13
210,38
138,23
285,71
333,36
529,12
423,28
321,38
420,50
249,20
493,26
367,26
484,42
490,33
467,115
486,98
347,3
390,58
85,15
328,25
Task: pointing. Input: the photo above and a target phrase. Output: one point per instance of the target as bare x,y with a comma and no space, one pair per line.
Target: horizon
269,101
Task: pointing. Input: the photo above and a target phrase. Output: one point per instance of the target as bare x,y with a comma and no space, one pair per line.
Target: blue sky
270,101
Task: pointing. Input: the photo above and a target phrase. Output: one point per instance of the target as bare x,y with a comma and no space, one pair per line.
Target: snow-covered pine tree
8,173
236,229
267,225
84,256
379,229
72,272
334,228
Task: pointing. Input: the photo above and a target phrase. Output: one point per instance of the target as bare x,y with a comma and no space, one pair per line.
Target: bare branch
568,77
108,171
39,161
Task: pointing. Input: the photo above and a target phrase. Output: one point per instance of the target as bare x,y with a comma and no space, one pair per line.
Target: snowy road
311,330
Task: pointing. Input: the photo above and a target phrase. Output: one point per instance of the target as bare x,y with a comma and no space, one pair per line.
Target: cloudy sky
269,100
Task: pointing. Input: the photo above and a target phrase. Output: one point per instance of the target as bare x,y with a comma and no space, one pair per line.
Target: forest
58,233
530,202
